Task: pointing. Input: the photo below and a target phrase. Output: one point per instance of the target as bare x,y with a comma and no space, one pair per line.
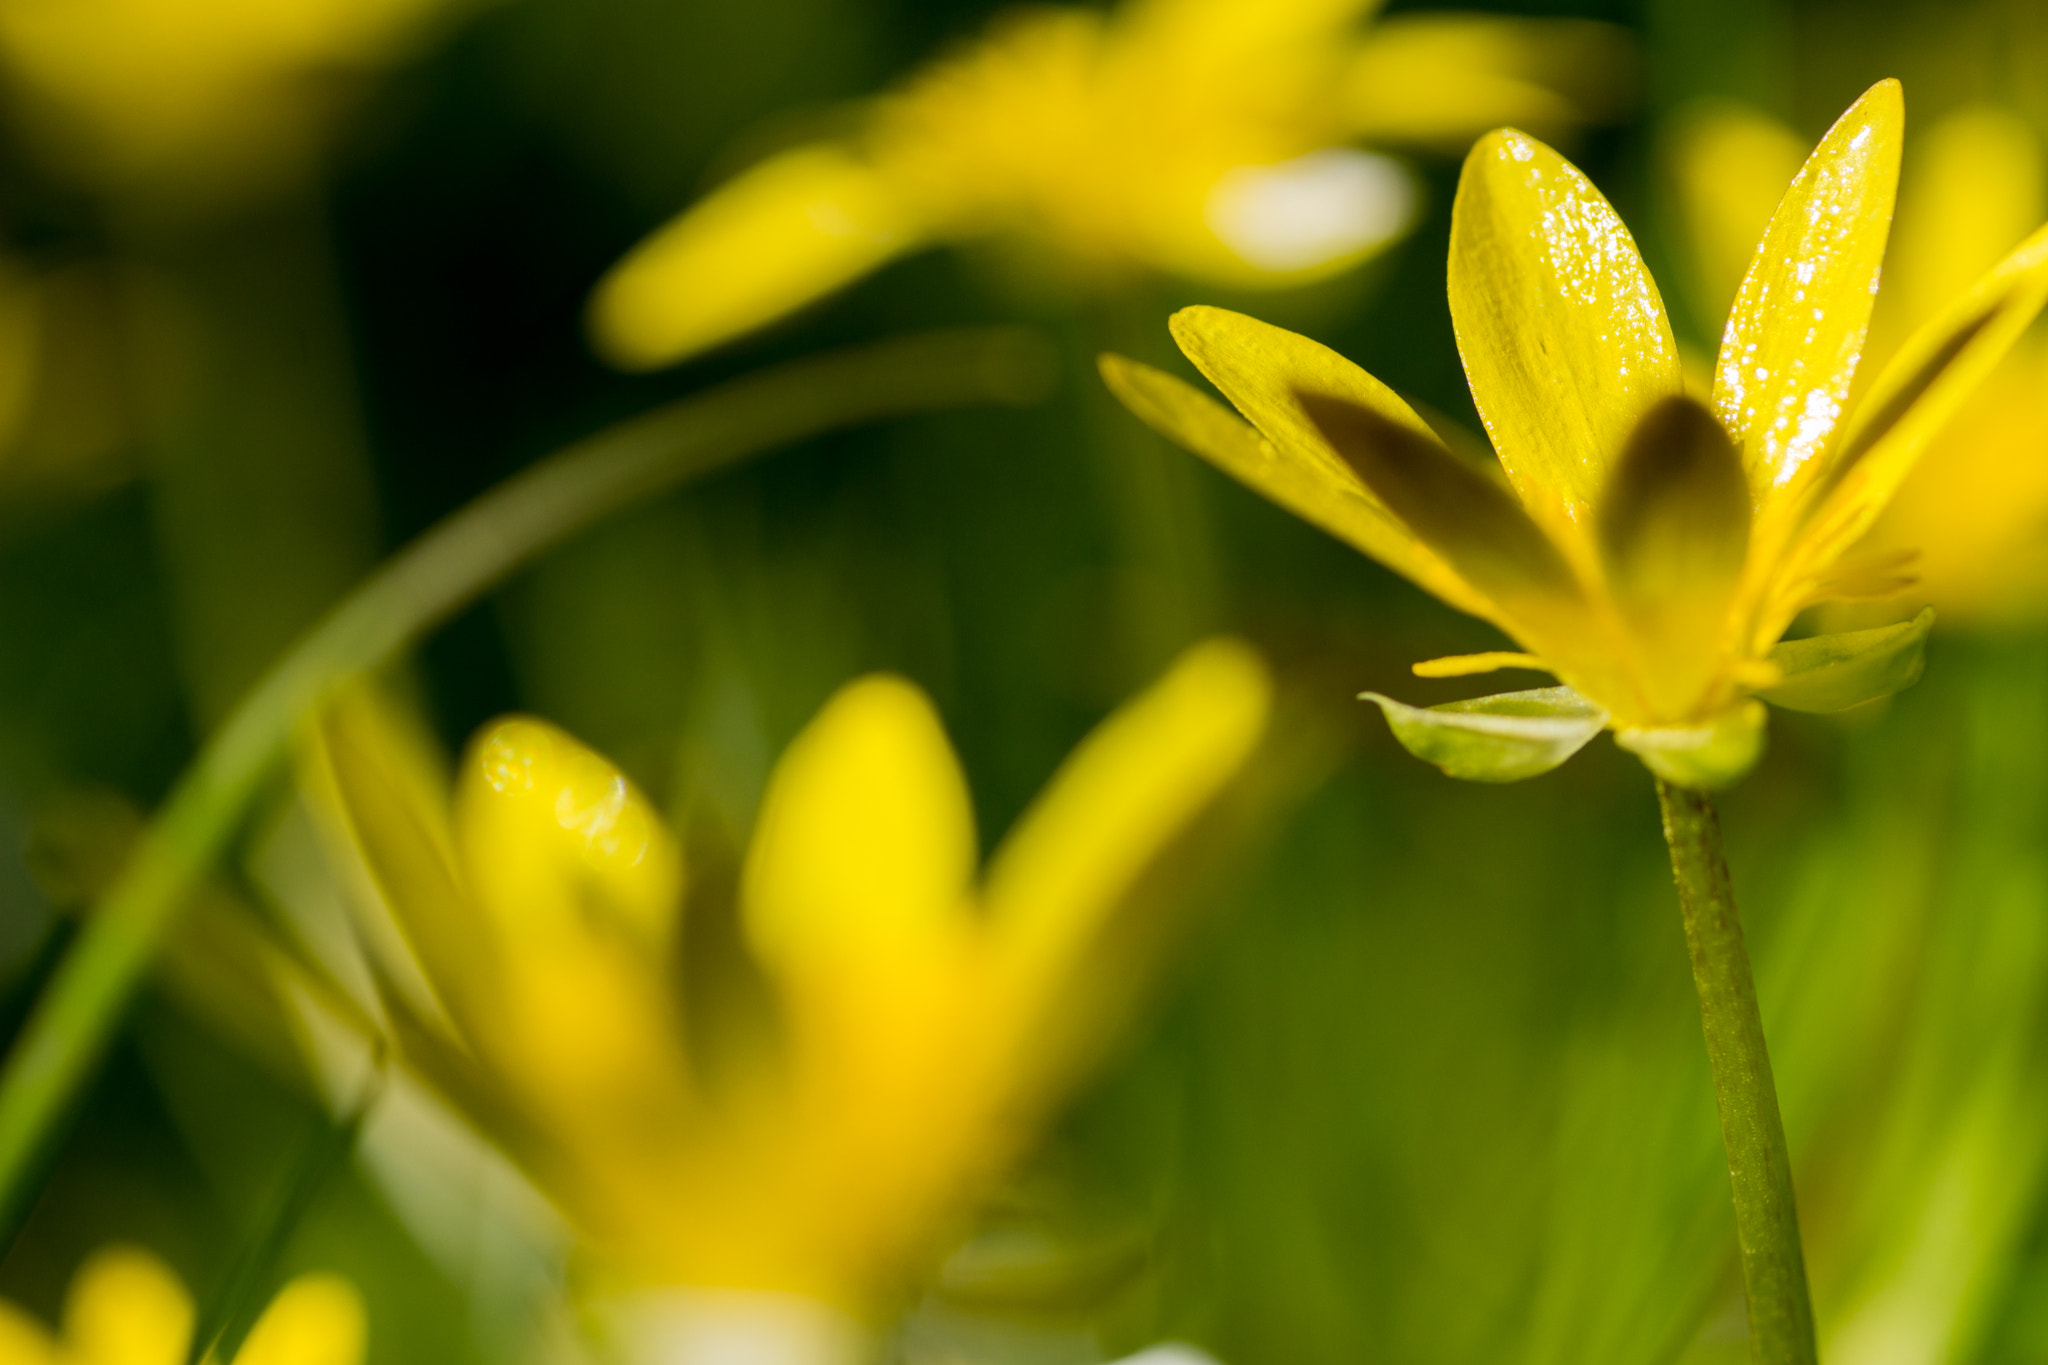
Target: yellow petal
1114,808
1440,79
1792,342
1471,665
125,1307
1201,33
314,1320
577,886
1972,188
1731,166
1916,395
378,775
865,845
555,841
23,1341
1476,525
1306,481
1674,532
1560,327
788,231
1977,501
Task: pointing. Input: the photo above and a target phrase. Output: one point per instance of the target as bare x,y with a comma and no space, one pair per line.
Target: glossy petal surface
556,842
576,886
1560,327
1306,481
1794,336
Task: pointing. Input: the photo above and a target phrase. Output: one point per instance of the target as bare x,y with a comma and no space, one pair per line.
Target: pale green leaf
1836,672
1714,754
1503,738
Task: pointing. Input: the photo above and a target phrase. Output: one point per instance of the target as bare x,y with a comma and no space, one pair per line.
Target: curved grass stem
1759,1169
422,585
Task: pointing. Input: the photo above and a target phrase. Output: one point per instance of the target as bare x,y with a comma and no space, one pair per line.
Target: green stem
420,586
1766,1220
245,1293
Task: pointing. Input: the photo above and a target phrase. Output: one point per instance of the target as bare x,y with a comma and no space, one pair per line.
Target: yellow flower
1974,510
167,91
1205,138
922,1019
1645,546
125,1307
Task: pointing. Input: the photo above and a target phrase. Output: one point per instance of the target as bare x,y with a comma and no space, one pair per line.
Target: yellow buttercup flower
923,1018
1974,511
1204,138
1646,546
125,1307
164,90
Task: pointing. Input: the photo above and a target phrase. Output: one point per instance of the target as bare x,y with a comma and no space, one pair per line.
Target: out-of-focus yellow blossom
1205,138
1646,547
924,1018
162,91
1975,509
125,1307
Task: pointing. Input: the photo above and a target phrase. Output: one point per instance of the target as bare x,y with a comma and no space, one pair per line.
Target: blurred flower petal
1112,810
314,1320
1731,166
865,842
1435,79
126,1308
790,230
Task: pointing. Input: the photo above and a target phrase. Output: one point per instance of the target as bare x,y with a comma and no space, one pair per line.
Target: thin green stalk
1759,1170
244,1294
420,586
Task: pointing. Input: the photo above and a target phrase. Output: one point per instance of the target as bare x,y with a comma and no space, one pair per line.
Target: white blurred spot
733,1327
1301,213
1169,1353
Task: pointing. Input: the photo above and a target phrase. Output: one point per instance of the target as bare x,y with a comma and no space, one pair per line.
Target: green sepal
1836,672
1503,738
1703,756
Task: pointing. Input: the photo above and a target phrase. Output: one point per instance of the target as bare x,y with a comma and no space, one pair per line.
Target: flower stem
416,589
1766,1220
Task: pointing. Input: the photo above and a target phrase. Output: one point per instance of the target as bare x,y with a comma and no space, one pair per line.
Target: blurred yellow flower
1645,546
1205,138
924,1019
125,1307
164,91
1975,508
